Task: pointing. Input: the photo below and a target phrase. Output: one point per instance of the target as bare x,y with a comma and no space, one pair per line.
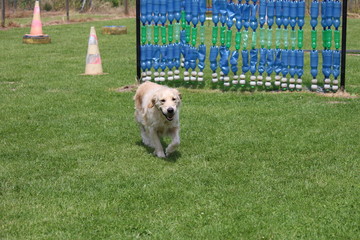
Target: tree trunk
83,5
126,6
67,10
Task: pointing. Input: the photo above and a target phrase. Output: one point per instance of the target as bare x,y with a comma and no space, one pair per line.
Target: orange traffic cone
36,35
93,59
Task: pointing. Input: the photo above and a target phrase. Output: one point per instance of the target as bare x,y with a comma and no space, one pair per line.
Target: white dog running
157,112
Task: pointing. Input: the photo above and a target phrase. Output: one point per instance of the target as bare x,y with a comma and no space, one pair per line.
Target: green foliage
250,166
115,3
24,4
47,6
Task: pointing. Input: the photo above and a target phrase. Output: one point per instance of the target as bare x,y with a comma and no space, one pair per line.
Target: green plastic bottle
228,38
300,38
214,35
171,32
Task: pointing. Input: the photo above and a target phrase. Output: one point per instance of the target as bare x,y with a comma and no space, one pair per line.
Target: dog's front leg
159,151
145,137
174,133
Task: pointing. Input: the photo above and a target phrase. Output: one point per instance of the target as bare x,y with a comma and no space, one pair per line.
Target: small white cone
93,59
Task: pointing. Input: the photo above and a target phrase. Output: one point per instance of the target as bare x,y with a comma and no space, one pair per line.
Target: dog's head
168,101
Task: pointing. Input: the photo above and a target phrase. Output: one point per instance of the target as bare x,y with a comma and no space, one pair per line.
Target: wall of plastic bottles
253,44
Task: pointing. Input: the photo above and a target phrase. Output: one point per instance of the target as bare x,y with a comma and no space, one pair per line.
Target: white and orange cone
93,58
36,25
36,34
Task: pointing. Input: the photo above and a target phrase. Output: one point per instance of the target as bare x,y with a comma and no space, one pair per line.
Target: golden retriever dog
157,112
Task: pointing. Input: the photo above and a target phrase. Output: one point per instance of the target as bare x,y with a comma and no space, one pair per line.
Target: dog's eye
174,99
162,100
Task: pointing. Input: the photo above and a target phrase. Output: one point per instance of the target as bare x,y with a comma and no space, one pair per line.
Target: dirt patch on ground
353,15
338,94
63,21
336,102
11,17
127,88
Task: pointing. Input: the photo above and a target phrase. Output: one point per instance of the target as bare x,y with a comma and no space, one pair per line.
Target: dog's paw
160,154
167,152
170,149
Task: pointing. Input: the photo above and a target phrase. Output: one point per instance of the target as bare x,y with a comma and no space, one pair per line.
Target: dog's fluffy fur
157,112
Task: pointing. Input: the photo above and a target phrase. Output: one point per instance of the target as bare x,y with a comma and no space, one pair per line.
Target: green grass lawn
250,166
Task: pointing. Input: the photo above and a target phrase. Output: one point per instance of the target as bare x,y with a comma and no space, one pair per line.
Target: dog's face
167,101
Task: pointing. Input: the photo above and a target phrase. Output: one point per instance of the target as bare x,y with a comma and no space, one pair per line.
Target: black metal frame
138,57
343,44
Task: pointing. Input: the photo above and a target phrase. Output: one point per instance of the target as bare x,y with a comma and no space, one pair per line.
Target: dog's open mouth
169,117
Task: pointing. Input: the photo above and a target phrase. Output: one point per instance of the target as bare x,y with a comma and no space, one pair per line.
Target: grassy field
250,166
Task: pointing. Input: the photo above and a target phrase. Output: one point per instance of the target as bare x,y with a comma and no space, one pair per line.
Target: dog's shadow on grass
172,158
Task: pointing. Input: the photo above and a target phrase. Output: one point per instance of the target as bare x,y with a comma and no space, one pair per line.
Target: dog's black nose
170,110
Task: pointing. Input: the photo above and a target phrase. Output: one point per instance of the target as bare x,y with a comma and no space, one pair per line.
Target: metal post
138,70
343,46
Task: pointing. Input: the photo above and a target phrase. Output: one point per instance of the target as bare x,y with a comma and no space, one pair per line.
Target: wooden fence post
3,13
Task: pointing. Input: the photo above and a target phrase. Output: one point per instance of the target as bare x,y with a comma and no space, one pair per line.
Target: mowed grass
250,166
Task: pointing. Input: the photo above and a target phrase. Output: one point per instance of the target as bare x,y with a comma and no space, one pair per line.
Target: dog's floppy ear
177,93
152,102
